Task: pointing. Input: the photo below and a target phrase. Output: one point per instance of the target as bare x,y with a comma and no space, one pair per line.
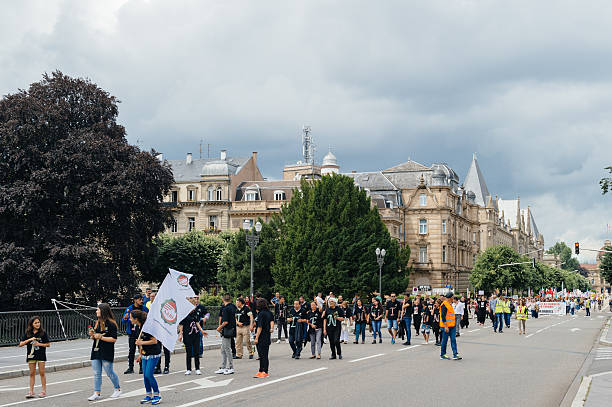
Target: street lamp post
380,258
252,239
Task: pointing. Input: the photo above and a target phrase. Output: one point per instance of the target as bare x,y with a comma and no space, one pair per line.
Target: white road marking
140,379
575,329
529,336
48,384
266,383
409,347
368,357
603,354
39,399
473,330
59,351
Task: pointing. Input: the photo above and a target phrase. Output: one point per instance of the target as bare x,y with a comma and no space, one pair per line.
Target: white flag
170,307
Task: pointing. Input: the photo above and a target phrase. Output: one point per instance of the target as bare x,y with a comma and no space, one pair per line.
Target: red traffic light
577,248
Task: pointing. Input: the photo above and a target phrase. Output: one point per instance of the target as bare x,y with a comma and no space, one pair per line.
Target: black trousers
416,321
262,351
282,324
295,340
233,346
166,359
192,350
436,330
132,351
334,341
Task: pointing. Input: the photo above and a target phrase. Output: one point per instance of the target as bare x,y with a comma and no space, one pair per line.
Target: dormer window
423,200
250,196
279,196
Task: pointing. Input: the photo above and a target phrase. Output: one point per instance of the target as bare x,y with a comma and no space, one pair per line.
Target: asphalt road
497,369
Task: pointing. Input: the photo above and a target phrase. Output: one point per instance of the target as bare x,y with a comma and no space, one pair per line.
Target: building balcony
257,206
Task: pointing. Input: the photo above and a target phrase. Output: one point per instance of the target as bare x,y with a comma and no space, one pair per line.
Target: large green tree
564,252
235,268
195,253
79,206
328,236
488,276
605,266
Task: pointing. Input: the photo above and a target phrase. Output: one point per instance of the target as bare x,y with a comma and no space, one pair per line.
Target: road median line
368,357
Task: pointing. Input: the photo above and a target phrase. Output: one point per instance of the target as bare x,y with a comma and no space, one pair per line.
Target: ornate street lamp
252,239
380,258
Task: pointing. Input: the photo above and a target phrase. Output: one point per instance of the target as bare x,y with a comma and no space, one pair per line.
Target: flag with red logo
170,307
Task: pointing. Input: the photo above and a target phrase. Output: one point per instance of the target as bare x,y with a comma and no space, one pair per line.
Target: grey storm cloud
525,84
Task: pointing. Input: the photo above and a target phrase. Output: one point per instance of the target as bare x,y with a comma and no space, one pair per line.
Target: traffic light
533,262
577,248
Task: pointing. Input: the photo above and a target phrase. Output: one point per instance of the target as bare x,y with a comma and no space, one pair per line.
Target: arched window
219,194
211,194
279,196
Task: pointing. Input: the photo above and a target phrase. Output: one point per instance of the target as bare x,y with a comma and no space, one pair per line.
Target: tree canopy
328,236
194,253
606,182
79,206
605,266
565,255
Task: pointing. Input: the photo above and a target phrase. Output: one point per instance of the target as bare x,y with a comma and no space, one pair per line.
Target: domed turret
330,164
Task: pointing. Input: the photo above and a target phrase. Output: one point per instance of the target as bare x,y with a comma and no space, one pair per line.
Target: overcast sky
526,85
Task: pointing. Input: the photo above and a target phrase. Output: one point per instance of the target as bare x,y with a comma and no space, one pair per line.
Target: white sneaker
220,371
198,372
229,371
116,394
187,372
278,341
94,397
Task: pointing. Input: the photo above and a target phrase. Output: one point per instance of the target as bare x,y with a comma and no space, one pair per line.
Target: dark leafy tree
195,253
79,206
487,276
605,266
328,236
606,182
235,270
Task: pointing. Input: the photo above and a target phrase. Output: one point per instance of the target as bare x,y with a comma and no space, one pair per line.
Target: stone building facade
600,285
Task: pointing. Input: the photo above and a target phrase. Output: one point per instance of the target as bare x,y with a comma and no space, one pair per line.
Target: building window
444,226
423,200
174,196
422,226
279,196
219,194
474,237
423,254
212,222
211,194
388,205
250,222
443,254
174,226
191,193
250,196
191,221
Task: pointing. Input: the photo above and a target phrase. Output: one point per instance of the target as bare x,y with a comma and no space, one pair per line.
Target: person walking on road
521,316
499,315
448,325
189,333
280,315
507,311
150,352
392,311
132,331
104,336
244,320
406,316
435,320
417,312
459,308
346,322
227,329
376,315
152,297
334,316
37,342
360,318
481,313
315,329
297,316
587,307
263,337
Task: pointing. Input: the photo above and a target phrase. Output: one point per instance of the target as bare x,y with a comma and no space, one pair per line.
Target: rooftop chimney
223,154
255,158
188,159
353,172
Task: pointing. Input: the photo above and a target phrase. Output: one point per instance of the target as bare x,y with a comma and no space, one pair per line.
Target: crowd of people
251,324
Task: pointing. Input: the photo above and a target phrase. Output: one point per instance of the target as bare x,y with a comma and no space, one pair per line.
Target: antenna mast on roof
307,145
201,148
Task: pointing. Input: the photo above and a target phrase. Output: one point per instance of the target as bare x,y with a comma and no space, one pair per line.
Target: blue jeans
408,322
572,311
97,366
376,328
452,332
499,321
148,367
507,318
360,330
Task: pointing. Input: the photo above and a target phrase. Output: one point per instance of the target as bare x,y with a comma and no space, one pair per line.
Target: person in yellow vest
507,311
499,314
587,307
448,325
521,316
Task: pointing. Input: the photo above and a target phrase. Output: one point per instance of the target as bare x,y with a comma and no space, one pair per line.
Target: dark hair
106,315
227,297
139,315
240,300
30,328
258,294
262,304
136,296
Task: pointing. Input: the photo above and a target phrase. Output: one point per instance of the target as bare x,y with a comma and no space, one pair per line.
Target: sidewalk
75,354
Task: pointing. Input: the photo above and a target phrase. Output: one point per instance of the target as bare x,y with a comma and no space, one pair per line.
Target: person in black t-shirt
132,331
189,333
417,315
360,317
334,316
37,343
150,352
280,317
244,321
315,329
227,329
391,315
263,333
376,316
297,317
104,336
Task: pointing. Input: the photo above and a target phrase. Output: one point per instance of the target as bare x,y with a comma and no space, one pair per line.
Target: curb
77,365
604,335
